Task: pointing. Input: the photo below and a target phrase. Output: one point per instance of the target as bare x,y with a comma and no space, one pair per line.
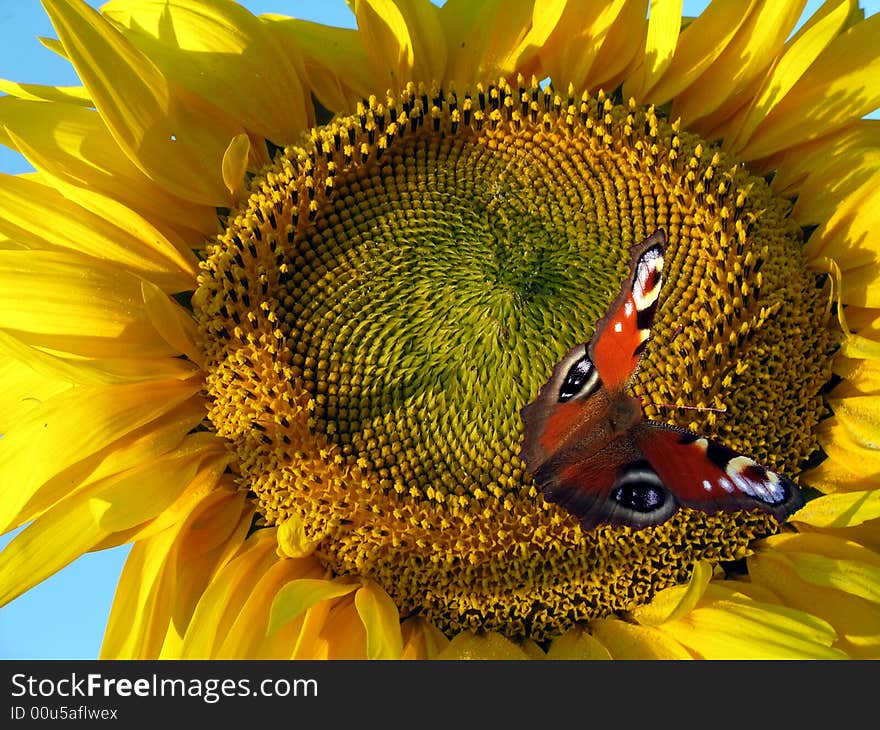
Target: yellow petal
235,161
698,46
293,539
76,95
387,40
30,216
858,363
472,51
852,181
826,560
57,427
848,238
149,446
176,138
251,635
381,621
725,84
827,545
61,366
310,644
836,90
173,323
672,603
799,53
629,641
221,52
861,376
131,498
421,639
856,621
85,307
532,650
205,537
132,632
841,510
753,630
824,157
849,464
620,48
77,525
54,45
173,255
494,38
545,18
664,25
298,596
343,635
159,436
860,417
211,477
739,590
855,577
866,534
586,30
865,321
403,40
222,598
22,388
577,643
423,22
468,645
7,244
74,145
335,63
861,349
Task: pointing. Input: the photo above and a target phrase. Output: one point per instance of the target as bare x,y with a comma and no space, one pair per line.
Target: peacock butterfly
589,449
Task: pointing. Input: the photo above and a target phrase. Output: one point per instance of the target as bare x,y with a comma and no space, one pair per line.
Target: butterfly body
590,450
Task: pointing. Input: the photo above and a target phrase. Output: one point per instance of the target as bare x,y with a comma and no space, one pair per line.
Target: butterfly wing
615,486
622,334
700,473
645,476
572,408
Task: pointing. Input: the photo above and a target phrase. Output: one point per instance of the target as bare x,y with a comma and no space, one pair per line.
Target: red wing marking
622,334
706,475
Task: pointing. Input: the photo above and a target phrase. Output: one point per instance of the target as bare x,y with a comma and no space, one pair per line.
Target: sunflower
277,292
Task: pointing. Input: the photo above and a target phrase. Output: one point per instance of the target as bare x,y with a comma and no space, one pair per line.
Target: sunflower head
397,288
309,424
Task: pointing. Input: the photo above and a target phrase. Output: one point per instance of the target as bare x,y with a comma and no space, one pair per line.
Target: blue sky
64,617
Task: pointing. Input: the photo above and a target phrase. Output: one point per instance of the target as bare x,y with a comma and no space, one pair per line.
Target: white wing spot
644,298
735,468
769,490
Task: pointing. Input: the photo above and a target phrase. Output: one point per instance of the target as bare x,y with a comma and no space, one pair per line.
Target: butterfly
590,450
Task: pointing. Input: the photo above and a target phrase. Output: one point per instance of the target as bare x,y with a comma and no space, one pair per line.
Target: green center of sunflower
397,288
